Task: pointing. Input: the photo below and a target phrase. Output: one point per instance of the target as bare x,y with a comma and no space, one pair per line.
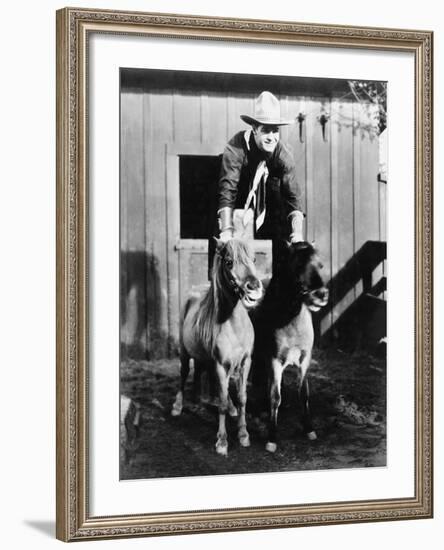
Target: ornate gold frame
73,28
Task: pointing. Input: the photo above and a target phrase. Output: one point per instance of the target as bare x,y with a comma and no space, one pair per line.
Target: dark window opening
198,176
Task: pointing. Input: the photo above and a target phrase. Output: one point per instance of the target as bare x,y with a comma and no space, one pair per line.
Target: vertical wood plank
124,178
204,117
356,188
383,224
172,238
244,105
321,167
369,195
232,123
382,186
187,117
159,129
296,105
132,171
132,220
383,144
239,104
334,208
310,220
216,128
284,102
345,219
369,208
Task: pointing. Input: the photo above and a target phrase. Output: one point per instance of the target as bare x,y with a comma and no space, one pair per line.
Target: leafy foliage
375,92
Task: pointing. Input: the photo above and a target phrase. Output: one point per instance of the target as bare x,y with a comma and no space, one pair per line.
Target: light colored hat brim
270,122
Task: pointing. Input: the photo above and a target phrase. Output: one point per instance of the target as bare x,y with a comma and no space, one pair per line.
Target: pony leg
304,398
197,380
275,401
244,438
232,410
177,407
222,440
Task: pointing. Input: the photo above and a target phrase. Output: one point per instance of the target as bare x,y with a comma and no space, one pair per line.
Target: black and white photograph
253,273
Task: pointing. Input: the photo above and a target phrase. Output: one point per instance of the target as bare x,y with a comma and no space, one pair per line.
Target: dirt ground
348,403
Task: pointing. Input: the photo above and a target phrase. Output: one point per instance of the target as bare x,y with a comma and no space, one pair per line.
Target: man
257,184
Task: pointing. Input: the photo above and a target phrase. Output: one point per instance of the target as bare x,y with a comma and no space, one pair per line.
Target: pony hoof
176,411
271,447
244,440
222,449
312,436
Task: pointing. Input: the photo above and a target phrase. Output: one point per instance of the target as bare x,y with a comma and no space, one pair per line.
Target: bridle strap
237,290
233,284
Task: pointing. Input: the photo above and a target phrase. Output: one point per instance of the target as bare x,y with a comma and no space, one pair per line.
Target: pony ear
219,243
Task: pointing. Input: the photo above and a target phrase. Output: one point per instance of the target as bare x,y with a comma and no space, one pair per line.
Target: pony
284,328
217,333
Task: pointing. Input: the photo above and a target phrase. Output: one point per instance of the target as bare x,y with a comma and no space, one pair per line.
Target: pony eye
229,263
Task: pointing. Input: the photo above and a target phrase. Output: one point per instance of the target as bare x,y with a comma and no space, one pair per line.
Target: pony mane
219,301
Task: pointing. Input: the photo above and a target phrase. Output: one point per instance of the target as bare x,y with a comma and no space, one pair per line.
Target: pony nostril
252,284
321,293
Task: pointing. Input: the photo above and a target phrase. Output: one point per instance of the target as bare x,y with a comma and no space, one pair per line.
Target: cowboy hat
266,111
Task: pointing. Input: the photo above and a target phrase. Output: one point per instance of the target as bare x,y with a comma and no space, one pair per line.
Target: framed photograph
244,274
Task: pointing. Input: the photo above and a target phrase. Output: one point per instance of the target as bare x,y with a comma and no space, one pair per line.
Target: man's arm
291,196
230,172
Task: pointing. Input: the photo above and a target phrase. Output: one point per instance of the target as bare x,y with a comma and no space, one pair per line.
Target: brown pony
216,331
284,328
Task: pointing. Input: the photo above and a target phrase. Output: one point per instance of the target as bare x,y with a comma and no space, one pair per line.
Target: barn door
191,174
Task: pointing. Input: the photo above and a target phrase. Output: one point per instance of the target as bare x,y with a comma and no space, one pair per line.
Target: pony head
303,270
234,269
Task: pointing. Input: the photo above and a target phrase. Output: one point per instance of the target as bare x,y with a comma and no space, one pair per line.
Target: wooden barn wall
345,203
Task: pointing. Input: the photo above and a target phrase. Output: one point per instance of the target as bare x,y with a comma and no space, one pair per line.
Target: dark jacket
238,167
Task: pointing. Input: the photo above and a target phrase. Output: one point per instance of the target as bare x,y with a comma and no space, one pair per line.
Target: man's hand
297,222
226,227
226,235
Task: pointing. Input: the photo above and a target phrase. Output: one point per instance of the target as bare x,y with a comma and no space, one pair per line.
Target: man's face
266,137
